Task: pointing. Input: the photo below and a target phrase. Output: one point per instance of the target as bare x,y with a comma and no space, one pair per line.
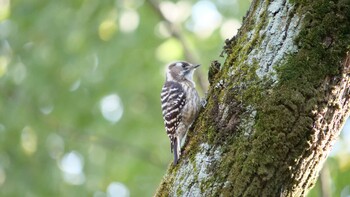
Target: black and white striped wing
173,100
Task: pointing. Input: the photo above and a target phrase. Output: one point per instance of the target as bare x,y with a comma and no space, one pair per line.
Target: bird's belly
191,108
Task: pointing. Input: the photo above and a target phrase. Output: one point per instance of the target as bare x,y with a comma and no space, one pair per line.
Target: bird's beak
196,66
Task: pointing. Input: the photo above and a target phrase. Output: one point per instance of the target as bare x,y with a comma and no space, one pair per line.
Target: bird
180,103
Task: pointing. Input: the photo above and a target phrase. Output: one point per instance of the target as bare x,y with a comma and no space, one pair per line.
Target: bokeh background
79,93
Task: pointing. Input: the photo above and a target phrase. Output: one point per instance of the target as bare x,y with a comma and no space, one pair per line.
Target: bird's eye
184,65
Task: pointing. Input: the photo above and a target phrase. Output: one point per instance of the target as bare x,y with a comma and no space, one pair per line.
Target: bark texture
274,108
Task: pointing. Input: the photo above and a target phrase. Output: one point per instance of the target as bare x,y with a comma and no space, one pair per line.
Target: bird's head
181,71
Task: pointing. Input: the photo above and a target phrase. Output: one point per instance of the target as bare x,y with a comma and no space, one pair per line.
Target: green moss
178,191
239,44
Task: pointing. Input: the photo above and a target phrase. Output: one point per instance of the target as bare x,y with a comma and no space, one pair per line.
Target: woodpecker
180,103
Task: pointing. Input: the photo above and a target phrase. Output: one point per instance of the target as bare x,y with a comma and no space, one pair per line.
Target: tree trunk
274,108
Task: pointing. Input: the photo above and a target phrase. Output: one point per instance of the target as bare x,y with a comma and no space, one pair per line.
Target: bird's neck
188,79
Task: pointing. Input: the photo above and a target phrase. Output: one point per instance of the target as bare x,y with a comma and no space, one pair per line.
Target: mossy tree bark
274,108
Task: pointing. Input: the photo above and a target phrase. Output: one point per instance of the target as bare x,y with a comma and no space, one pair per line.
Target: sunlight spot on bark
197,173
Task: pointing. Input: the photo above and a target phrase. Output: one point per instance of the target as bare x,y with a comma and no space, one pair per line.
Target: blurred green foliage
79,91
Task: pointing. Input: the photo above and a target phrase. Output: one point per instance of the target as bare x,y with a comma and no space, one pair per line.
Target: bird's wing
173,100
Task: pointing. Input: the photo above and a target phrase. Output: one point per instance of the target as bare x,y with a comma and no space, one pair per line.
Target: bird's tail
174,148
